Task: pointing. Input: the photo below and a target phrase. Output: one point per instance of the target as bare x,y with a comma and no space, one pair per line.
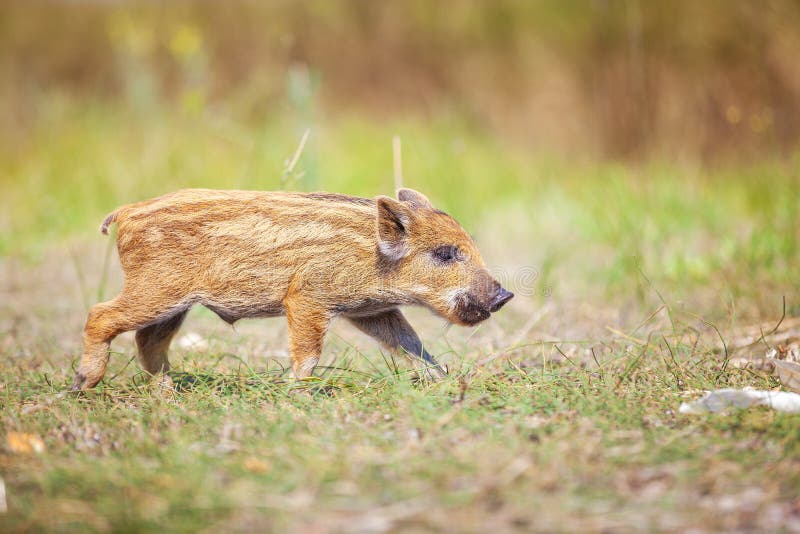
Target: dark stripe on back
338,197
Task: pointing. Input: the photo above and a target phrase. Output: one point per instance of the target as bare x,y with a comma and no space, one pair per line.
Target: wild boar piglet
308,256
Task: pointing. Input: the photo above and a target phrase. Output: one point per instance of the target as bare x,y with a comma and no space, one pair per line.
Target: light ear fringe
415,199
393,251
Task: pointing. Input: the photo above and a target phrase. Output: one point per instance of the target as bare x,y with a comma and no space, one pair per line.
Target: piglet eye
446,253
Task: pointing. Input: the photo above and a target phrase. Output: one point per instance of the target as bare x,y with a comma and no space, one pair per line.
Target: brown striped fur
308,256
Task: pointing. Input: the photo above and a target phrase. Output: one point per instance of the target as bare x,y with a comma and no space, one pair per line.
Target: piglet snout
500,298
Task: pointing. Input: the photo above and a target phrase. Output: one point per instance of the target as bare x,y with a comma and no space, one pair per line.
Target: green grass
624,265
554,448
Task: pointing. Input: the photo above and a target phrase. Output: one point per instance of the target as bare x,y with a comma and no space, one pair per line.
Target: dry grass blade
296,157
397,158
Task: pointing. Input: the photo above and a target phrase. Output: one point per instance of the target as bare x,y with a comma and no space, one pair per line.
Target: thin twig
774,329
649,318
696,341
297,153
526,328
111,379
101,286
633,363
597,362
722,339
623,335
660,296
397,153
678,381
565,356
81,279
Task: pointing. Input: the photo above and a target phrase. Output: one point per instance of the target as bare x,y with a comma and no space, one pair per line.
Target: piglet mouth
470,311
473,316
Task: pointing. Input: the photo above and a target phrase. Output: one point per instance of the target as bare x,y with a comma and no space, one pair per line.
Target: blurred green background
594,141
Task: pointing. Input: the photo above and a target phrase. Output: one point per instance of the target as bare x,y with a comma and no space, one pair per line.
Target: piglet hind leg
394,332
109,319
153,343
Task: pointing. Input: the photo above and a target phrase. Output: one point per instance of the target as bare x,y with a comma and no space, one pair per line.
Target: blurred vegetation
734,230
627,78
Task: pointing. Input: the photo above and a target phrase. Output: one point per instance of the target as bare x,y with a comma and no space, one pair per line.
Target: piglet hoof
163,384
79,383
435,372
84,381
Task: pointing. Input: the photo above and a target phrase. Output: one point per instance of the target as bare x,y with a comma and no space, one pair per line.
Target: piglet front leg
394,332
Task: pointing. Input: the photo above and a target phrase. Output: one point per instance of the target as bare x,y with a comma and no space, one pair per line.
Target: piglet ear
415,199
394,219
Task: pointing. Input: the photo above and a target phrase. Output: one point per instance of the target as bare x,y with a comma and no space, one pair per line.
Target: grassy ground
560,413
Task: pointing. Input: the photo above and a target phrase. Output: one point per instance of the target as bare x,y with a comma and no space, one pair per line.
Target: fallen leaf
723,399
22,443
788,373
